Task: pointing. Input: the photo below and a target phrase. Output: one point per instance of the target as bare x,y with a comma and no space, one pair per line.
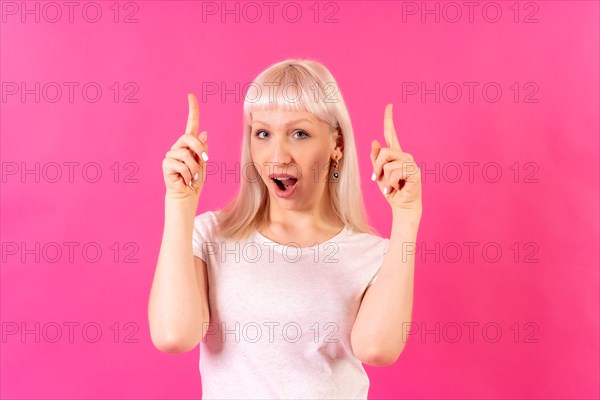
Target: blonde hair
313,83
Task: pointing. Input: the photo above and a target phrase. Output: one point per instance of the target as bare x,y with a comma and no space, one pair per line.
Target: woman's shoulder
365,240
368,247
208,215
206,222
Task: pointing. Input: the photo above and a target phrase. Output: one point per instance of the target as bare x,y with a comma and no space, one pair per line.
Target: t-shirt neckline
336,237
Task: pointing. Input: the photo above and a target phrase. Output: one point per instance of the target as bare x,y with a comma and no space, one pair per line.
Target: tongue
289,182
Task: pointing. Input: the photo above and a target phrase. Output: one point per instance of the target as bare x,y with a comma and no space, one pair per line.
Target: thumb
375,148
202,137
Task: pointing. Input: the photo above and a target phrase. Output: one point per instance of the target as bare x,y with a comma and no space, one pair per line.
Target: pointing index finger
193,116
389,132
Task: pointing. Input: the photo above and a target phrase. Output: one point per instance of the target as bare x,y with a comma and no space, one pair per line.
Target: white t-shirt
281,315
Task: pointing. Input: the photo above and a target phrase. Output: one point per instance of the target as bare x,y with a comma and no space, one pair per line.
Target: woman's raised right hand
187,158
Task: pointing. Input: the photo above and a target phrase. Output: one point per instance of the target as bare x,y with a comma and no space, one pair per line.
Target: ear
339,141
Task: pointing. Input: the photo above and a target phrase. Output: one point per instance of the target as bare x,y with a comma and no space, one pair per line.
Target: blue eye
257,134
305,134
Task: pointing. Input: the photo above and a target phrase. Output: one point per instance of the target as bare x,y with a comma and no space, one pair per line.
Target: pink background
171,50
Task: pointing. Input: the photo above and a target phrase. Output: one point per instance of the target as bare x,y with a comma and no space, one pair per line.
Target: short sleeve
203,234
384,246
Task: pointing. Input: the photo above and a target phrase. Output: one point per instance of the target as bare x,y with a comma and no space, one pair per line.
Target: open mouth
284,184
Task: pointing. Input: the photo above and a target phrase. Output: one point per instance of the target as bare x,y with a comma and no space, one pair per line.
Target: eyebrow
289,123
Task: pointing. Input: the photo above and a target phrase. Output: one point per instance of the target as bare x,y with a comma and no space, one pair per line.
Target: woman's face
297,144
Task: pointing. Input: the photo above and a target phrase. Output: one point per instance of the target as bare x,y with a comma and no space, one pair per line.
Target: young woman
278,287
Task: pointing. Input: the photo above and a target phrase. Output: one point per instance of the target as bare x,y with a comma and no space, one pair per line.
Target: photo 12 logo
469,92
453,12
53,12
72,172
69,91
471,332
252,12
69,252
270,332
68,332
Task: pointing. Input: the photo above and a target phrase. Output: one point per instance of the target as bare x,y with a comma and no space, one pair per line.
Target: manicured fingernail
385,190
373,177
196,177
204,156
190,183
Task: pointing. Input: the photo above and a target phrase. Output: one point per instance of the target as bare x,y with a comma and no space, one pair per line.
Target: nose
280,152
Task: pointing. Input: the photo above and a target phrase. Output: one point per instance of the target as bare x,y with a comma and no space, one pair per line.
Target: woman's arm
379,332
178,305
